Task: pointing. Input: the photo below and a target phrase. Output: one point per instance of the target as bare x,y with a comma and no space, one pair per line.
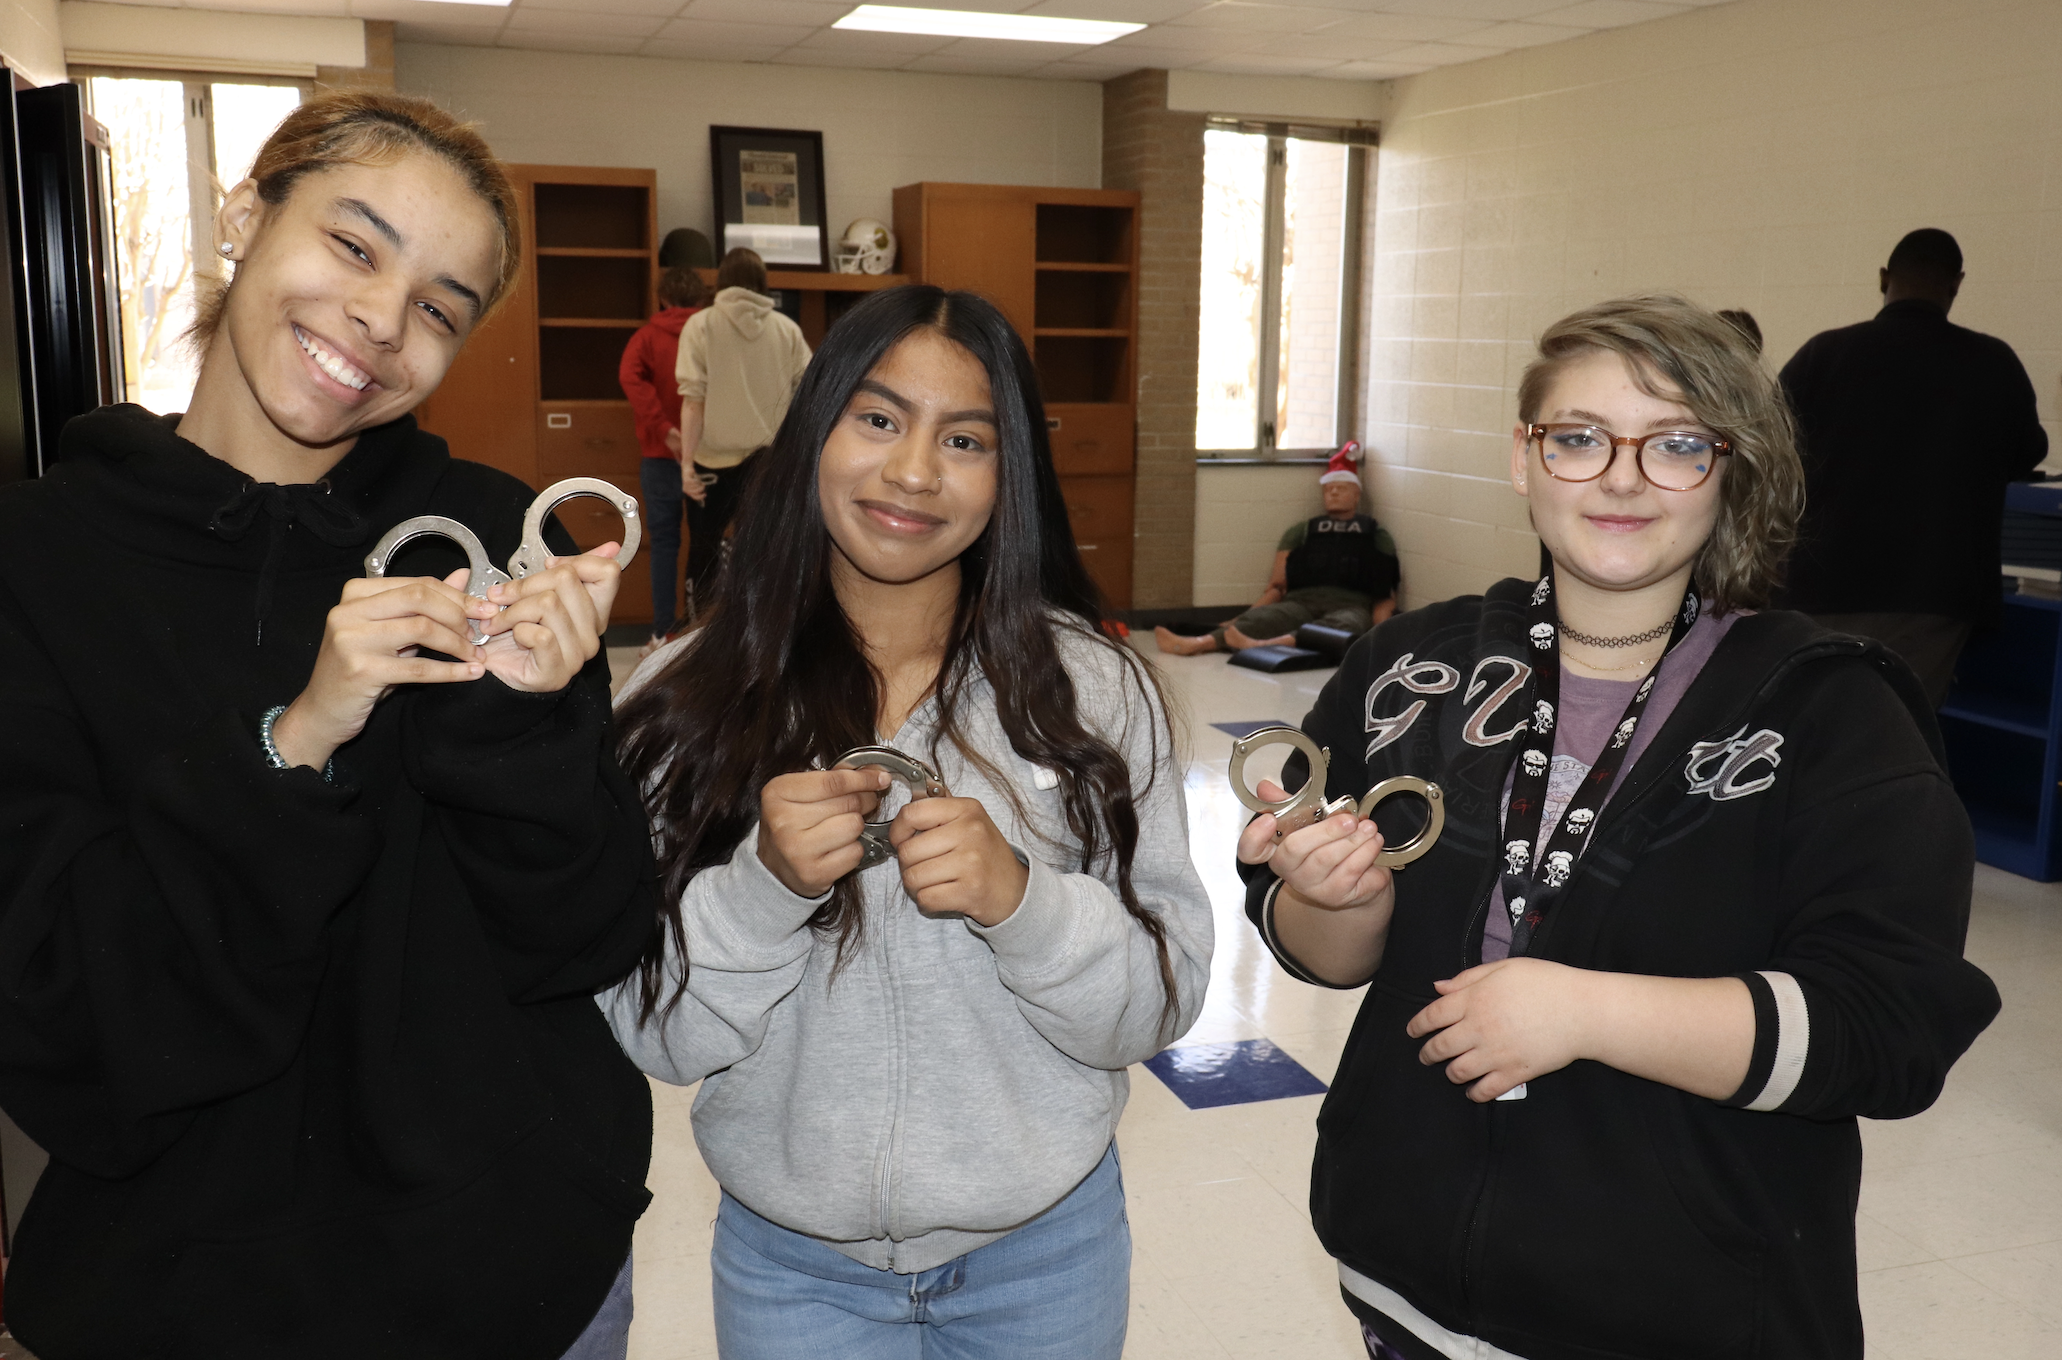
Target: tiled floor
1961,1223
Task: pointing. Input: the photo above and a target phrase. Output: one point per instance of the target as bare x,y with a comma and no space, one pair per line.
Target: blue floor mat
1205,1076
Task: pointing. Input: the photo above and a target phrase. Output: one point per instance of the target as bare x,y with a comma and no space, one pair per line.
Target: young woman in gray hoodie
912,1072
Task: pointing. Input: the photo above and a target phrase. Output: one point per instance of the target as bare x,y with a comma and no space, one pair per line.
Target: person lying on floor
1338,569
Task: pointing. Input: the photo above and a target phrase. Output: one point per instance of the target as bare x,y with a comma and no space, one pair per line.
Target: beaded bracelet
272,756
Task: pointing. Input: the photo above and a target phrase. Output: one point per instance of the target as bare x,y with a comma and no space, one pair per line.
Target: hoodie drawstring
310,504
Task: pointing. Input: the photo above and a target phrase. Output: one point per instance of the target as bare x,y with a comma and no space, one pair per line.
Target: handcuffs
1307,805
482,575
922,780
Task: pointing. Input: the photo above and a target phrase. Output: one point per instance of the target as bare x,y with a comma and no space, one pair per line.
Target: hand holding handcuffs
921,779
1307,805
529,558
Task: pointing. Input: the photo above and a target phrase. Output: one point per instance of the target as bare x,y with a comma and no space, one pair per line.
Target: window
177,147
1280,289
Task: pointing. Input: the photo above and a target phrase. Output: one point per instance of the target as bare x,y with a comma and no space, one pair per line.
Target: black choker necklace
1658,631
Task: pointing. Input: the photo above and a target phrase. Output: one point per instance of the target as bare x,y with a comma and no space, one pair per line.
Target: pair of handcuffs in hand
482,575
1307,806
921,780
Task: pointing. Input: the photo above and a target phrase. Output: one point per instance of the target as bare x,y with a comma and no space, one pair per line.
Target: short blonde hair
374,127
1682,352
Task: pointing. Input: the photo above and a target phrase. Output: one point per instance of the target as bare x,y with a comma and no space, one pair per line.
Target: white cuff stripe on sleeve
1793,1042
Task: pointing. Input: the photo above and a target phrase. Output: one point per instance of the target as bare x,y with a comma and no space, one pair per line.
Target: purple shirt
1590,711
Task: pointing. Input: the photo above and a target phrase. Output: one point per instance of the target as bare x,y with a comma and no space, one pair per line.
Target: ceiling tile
1505,36
1436,54
528,20
1405,27
657,9
1609,13
1130,57
1117,11
735,35
1371,70
669,50
1473,9
813,13
1262,18
599,43
1167,37
1339,47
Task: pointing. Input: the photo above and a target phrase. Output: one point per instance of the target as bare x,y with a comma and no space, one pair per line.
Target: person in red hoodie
647,378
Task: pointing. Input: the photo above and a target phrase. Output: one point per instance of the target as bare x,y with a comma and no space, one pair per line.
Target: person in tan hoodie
740,361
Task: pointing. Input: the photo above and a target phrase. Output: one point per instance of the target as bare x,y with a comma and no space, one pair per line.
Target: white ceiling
1341,39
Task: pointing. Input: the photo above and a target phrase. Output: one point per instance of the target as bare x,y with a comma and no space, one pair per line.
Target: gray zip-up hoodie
952,1082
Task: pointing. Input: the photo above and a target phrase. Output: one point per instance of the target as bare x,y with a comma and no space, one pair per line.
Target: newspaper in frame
770,184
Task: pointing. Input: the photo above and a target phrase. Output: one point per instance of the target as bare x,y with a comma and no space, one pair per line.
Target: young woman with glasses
1698,905
912,1069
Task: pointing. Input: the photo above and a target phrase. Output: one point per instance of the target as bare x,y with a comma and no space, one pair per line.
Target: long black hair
776,680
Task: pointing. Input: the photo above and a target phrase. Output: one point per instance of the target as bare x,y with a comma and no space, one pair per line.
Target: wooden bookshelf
535,391
1062,264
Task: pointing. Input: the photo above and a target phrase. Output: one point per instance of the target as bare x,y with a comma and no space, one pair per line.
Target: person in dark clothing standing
1911,426
646,375
304,897
1698,905
1338,569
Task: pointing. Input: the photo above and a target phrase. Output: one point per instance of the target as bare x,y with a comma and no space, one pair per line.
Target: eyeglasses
1674,460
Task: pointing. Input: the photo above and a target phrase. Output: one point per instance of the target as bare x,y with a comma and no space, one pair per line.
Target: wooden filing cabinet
1062,265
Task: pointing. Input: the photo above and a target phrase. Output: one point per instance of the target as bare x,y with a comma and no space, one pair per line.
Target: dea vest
1344,553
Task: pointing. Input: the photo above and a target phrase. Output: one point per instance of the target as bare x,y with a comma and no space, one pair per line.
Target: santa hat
1341,468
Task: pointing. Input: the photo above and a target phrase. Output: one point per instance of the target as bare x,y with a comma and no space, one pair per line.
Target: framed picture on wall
769,194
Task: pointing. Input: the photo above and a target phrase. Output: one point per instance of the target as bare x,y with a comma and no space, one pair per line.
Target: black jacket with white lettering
1790,824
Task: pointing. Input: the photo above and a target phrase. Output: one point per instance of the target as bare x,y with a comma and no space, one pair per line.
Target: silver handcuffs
922,780
1307,805
482,575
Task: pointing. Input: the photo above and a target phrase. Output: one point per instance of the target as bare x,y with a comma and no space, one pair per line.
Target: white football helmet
868,247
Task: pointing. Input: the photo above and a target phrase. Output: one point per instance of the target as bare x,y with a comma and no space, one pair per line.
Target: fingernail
477,669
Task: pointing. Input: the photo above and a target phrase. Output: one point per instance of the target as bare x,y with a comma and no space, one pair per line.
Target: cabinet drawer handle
1052,422
558,421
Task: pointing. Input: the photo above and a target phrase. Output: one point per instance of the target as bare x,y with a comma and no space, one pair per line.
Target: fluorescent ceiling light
484,4
960,23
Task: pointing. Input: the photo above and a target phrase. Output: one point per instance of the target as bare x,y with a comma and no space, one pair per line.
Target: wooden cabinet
1062,264
1090,440
535,391
1099,509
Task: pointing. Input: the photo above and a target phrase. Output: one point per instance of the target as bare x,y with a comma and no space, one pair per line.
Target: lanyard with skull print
1532,881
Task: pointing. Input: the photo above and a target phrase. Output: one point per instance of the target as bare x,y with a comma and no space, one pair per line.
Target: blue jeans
1058,1288
608,1336
659,480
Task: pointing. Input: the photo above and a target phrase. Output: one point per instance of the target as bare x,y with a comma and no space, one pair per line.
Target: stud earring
228,249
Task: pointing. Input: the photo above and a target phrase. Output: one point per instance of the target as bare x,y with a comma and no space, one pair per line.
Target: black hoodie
317,1064
1790,824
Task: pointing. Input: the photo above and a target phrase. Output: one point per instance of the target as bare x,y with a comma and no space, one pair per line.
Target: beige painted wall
31,40
1240,515
1765,154
880,128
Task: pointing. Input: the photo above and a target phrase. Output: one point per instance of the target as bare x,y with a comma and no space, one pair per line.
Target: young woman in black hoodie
303,896
1698,904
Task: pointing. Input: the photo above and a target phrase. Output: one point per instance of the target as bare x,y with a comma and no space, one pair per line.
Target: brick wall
1160,154
378,71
